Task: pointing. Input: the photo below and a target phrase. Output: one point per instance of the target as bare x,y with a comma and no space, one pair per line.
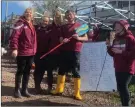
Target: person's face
45,21
118,28
58,18
28,14
57,15
70,16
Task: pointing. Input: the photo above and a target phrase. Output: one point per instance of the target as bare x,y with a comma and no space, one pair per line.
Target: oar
83,29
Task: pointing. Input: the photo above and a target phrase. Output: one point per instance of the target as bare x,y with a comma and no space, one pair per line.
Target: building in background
92,12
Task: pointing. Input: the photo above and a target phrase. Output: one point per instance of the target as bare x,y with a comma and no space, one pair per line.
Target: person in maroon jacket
123,52
23,46
54,57
70,55
41,65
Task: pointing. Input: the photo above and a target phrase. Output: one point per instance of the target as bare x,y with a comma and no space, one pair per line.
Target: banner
91,65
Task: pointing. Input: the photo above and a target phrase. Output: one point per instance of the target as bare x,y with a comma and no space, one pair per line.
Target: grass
115,96
132,89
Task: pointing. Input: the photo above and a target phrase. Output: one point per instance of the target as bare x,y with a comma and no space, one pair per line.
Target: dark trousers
53,65
41,66
123,79
23,69
70,61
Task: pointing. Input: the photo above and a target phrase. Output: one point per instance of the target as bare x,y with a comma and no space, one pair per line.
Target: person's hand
117,51
61,39
112,35
108,42
65,40
14,53
75,36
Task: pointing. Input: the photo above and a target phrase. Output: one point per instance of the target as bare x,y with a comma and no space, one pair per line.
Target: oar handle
53,49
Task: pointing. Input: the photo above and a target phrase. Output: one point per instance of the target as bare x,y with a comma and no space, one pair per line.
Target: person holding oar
54,40
70,55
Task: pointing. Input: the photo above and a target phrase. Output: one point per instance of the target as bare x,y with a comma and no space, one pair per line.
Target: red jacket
42,38
124,62
67,31
23,38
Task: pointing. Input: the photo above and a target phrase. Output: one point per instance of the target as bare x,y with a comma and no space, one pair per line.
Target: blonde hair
59,19
30,9
27,10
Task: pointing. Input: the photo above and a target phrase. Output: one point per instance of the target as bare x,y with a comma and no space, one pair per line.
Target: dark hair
68,11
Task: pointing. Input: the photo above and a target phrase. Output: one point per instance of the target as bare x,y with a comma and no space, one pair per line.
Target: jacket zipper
33,42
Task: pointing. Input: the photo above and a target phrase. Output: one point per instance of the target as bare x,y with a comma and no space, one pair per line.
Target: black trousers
41,66
123,79
23,69
53,65
70,61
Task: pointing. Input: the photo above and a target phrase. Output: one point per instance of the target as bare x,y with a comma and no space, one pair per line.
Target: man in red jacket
123,52
70,55
23,46
41,65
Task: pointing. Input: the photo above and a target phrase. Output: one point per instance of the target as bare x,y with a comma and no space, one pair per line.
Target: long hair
57,17
23,16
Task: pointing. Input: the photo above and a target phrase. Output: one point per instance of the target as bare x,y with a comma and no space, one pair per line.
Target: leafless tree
50,5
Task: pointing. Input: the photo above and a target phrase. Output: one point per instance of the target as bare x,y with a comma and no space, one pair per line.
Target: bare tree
50,5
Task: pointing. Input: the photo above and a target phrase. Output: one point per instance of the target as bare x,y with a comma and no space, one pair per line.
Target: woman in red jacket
23,46
123,52
54,57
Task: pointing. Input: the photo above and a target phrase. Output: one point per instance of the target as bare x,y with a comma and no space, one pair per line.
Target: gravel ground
89,98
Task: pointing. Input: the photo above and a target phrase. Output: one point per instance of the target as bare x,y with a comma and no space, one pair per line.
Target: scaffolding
101,13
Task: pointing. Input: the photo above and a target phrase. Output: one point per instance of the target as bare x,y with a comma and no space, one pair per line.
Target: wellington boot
60,85
77,83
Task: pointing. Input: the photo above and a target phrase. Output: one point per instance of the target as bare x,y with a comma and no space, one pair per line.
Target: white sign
92,63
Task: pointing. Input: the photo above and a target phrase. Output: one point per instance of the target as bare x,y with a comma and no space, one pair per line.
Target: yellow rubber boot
60,85
77,84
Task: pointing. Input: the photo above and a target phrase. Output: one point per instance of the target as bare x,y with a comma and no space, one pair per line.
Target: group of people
30,41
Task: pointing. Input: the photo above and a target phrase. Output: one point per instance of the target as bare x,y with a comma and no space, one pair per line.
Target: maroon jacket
42,39
67,31
54,34
124,62
23,38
